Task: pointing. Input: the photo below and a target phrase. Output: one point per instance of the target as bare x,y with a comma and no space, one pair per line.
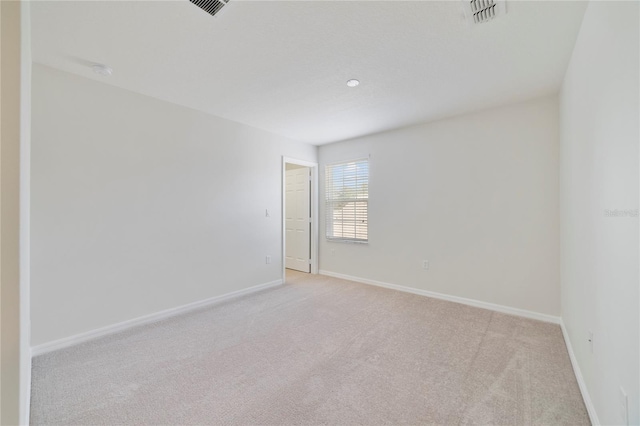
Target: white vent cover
210,6
480,11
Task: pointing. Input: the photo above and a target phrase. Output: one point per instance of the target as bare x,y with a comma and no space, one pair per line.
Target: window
347,201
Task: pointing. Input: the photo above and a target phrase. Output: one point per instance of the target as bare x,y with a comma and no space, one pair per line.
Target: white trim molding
25,212
456,299
147,319
591,409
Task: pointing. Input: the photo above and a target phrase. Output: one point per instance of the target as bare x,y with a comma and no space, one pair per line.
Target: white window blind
347,201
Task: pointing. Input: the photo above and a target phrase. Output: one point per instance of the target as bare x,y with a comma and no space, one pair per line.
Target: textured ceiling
282,65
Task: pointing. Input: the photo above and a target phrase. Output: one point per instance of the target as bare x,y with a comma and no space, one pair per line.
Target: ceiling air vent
210,6
480,11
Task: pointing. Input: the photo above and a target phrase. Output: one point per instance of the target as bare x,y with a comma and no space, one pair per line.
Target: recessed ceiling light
353,82
102,69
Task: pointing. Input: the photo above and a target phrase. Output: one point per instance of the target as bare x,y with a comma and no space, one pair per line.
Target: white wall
476,195
140,205
599,171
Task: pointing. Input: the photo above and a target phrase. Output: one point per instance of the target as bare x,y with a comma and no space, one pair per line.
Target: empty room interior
320,212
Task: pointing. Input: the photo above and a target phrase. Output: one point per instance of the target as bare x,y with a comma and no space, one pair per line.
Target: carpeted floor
317,350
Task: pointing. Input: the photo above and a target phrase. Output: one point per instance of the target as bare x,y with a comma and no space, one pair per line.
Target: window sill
336,240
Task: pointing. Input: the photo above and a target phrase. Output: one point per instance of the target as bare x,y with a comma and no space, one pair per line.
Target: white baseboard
591,409
147,319
471,302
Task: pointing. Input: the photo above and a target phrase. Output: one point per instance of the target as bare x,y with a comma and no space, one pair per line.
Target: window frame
330,201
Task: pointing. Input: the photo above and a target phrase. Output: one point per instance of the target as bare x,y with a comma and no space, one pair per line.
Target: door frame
314,211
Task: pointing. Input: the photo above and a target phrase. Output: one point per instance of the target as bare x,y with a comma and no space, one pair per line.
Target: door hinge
309,261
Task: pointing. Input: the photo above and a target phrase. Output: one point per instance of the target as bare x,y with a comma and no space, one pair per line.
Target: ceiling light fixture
353,82
102,69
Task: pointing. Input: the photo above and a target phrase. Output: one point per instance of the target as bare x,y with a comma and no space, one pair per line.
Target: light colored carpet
317,350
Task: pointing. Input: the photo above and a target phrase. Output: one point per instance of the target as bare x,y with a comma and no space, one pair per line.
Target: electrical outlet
624,406
425,265
268,260
590,340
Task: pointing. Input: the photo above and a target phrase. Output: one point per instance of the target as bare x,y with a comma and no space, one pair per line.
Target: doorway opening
299,216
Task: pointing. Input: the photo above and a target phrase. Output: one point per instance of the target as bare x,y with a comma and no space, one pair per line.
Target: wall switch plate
268,260
624,407
425,265
266,213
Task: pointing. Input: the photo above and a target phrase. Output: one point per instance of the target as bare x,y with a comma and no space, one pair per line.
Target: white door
297,219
